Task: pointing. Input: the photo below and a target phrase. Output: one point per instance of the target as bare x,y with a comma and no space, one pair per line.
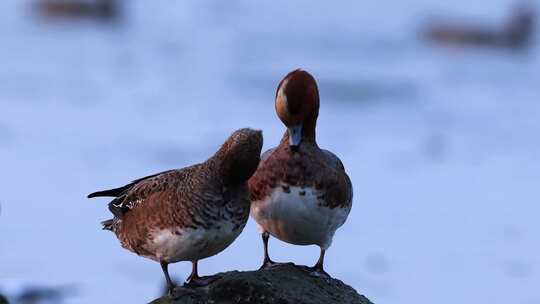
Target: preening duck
187,214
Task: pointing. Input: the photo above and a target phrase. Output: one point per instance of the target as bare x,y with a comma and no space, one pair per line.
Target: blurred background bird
514,32
102,9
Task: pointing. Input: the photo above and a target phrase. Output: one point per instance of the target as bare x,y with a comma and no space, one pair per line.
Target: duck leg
267,262
318,269
170,284
195,281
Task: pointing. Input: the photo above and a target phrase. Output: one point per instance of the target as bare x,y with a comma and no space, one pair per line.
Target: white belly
298,219
191,244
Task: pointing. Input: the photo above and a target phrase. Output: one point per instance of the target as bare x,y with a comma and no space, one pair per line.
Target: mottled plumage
191,213
309,167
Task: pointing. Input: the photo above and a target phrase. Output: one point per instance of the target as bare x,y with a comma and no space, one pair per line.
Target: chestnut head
297,106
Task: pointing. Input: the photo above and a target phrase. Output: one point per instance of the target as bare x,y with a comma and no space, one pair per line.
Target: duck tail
111,193
107,225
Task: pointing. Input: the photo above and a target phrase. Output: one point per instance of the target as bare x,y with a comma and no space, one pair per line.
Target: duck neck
308,134
234,168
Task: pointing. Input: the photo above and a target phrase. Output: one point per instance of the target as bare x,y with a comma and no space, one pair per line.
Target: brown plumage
191,213
300,192
309,167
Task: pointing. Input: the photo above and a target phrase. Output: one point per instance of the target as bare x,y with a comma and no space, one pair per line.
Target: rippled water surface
441,144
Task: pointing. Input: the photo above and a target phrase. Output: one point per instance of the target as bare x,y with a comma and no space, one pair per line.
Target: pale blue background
442,145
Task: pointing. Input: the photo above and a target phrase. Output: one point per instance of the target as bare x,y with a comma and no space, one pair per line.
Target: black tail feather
111,192
119,191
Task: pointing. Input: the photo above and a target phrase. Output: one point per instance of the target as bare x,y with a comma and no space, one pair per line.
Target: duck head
297,106
239,156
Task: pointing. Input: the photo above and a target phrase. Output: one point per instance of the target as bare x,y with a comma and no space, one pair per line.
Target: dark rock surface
3,300
283,284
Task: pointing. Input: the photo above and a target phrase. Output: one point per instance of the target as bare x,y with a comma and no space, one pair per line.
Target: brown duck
187,214
300,193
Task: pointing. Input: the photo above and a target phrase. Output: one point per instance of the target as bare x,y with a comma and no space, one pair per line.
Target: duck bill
295,136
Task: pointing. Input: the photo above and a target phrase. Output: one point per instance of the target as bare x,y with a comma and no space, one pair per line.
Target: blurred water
441,144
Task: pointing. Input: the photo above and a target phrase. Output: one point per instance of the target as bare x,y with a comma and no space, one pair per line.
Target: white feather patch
298,216
281,92
191,244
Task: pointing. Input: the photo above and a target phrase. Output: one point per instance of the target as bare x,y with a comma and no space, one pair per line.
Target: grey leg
170,284
195,281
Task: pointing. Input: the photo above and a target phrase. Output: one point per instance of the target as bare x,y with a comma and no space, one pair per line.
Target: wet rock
283,284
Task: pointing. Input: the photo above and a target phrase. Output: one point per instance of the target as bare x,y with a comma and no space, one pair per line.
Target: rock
3,300
282,284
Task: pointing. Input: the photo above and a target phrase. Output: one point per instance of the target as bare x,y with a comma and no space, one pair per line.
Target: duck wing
128,196
121,190
341,191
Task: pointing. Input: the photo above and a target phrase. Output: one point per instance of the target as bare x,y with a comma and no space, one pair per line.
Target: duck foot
318,272
170,291
201,281
268,264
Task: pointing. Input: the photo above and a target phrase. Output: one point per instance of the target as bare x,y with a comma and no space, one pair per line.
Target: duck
105,9
187,214
300,193
516,33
